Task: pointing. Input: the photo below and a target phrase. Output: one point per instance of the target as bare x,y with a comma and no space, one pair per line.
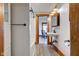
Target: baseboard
58,51
32,43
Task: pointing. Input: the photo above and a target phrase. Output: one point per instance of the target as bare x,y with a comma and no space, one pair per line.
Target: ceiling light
55,10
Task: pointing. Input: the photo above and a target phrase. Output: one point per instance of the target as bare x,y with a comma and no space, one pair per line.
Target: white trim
7,31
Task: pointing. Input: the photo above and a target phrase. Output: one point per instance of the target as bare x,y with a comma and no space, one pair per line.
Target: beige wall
32,29
32,32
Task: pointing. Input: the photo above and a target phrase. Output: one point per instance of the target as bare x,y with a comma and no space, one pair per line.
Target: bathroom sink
52,34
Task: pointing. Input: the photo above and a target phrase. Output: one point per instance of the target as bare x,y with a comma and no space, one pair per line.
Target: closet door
20,29
1,31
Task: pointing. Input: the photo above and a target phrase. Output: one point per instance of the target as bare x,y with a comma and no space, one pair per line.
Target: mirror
55,21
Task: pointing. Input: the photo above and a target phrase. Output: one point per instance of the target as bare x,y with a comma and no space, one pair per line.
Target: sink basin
52,34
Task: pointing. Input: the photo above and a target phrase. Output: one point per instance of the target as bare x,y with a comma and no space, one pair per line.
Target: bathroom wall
32,29
32,32
64,30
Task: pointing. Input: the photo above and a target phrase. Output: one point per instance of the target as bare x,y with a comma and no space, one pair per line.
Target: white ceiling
44,7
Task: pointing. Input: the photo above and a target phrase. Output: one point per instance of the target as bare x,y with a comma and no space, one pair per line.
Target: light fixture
55,10
52,13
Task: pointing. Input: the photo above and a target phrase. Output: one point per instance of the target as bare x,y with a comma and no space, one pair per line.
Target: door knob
67,41
24,24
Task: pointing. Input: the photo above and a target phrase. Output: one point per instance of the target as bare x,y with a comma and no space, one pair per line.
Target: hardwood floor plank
43,50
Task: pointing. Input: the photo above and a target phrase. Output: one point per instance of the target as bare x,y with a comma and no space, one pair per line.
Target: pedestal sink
52,34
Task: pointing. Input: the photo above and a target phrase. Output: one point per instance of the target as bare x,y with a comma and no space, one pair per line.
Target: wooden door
1,31
74,28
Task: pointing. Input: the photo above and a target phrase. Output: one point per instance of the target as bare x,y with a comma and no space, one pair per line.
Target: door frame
37,26
1,30
7,29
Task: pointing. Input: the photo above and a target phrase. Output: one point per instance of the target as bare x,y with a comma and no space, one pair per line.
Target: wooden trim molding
42,14
48,29
1,30
58,51
37,30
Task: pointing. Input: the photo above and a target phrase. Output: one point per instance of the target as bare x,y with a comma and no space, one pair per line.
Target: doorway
43,30
37,26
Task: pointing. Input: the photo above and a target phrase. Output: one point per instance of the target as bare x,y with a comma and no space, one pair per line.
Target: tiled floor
43,50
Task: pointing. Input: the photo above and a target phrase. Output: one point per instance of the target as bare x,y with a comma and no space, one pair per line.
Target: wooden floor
42,40
43,50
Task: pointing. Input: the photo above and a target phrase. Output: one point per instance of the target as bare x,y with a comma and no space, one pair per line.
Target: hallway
42,40
26,22
56,27
43,50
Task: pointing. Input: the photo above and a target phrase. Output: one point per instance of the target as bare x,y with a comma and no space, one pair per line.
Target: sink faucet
54,31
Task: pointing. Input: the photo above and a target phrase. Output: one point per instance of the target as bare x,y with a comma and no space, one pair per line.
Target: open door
74,28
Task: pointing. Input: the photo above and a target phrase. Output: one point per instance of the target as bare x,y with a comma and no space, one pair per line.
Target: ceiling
44,7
